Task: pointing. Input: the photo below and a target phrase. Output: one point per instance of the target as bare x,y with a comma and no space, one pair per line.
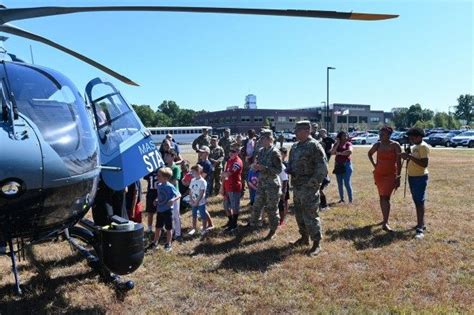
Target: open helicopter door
127,150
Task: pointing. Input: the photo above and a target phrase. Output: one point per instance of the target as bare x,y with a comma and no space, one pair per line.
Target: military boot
302,241
315,249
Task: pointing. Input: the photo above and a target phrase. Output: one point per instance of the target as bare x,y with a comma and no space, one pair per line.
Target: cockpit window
53,104
115,119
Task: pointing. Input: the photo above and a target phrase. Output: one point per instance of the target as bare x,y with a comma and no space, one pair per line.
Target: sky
210,61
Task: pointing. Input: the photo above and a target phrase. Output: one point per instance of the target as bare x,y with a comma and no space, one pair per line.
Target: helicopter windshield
54,105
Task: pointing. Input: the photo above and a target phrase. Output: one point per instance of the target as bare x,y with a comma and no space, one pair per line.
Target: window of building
245,119
282,119
342,119
292,119
352,119
362,119
271,119
374,119
258,119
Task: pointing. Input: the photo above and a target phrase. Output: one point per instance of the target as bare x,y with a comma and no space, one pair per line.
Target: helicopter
57,148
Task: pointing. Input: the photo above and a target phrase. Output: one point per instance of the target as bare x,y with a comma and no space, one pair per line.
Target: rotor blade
8,15
7,28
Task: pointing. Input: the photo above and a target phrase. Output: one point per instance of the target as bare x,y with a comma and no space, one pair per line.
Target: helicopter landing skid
14,267
96,264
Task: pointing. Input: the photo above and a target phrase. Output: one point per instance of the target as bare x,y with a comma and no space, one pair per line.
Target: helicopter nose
21,166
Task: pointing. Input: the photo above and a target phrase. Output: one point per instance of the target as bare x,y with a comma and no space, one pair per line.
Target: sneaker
324,209
210,228
192,232
341,201
302,241
152,245
178,238
168,247
387,228
419,233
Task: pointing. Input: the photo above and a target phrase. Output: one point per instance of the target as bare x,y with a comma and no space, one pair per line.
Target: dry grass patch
361,269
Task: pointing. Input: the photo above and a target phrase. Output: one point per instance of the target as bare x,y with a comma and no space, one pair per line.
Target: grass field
361,269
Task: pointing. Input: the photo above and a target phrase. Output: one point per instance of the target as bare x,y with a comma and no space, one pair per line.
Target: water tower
250,102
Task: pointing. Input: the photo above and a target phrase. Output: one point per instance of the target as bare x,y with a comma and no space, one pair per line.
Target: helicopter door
127,150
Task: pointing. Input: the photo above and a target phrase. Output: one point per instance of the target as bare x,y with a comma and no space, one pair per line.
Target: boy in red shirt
232,188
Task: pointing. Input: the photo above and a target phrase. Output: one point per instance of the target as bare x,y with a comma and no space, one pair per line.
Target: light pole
322,113
327,96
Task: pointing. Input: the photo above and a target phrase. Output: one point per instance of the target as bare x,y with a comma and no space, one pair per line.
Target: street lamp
327,96
322,113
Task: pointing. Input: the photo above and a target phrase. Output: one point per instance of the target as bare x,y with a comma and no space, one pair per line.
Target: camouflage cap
214,137
306,124
266,133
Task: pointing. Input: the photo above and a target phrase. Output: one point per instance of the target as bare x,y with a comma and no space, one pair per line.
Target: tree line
168,114
417,116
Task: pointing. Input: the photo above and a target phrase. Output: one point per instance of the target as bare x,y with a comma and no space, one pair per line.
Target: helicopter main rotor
15,14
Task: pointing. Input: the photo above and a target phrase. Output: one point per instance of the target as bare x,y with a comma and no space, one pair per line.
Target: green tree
400,118
185,118
170,109
441,120
162,120
465,108
146,114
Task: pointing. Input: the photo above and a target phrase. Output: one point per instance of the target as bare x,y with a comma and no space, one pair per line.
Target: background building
342,117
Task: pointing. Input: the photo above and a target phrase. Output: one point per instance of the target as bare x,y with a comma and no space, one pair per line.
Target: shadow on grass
366,237
41,293
210,248
255,261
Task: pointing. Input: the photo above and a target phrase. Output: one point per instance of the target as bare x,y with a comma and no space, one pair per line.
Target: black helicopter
55,146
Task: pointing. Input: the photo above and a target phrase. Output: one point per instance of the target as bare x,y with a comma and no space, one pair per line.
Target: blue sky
205,61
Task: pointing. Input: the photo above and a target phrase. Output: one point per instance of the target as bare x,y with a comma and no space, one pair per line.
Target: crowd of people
229,166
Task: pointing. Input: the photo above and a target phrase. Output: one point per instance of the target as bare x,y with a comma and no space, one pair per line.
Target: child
197,200
232,191
252,182
184,185
167,195
151,195
174,180
283,203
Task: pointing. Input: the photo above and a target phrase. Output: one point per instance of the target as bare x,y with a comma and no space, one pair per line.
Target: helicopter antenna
31,53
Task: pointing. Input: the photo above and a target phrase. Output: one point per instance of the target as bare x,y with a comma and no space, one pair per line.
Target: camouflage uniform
201,141
307,166
225,143
269,186
216,157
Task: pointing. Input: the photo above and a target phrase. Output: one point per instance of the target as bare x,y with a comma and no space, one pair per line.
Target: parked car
289,136
368,138
465,139
439,139
400,137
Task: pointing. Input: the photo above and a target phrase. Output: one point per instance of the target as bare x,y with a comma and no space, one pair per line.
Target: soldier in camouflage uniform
216,157
307,166
202,140
225,143
269,164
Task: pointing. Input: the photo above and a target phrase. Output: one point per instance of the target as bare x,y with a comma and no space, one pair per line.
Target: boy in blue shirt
167,195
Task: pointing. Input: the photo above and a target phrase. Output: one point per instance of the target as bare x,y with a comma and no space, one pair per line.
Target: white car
368,138
465,139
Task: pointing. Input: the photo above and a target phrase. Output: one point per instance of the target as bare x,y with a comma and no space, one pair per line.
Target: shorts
150,198
418,188
202,211
164,219
232,201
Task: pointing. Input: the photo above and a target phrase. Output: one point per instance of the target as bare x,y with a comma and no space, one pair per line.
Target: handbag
339,168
